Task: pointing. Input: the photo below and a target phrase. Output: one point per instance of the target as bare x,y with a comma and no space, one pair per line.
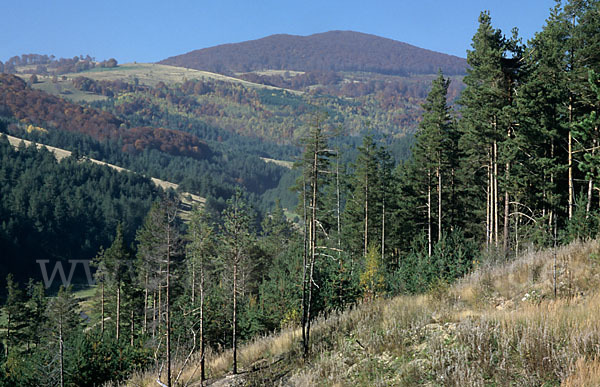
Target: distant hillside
329,51
29,106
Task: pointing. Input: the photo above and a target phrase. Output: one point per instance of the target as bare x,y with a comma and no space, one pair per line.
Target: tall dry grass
501,325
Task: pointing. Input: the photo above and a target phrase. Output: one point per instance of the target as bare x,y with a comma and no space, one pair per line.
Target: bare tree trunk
304,267
118,309
131,333
495,194
429,236
102,308
202,369
439,173
570,159
383,230
7,336
154,313
312,241
551,211
588,206
159,314
589,198
506,211
488,210
61,352
366,246
193,283
337,192
517,219
235,267
168,301
145,327
339,228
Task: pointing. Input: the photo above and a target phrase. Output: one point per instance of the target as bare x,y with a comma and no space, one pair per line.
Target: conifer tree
63,319
15,314
117,259
433,154
200,250
487,127
160,248
371,279
236,239
542,106
363,205
315,172
36,310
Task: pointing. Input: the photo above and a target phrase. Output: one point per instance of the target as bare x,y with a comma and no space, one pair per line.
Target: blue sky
148,31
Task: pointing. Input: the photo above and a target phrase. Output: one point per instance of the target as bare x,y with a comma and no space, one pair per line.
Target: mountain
328,51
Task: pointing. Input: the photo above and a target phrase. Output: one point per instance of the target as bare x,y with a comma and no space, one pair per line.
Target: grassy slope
149,74
146,73
501,325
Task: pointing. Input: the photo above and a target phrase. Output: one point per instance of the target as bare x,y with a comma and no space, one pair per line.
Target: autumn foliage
36,107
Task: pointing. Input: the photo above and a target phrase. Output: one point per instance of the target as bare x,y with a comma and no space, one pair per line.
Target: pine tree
36,310
117,259
314,174
433,155
542,105
587,130
200,250
15,314
487,127
159,250
63,318
363,207
236,240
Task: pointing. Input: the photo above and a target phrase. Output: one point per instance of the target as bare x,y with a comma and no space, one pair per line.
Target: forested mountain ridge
328,51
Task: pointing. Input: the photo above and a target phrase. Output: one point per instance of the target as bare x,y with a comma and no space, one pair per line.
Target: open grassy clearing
63,88
499,326
291,73
281,163
151,74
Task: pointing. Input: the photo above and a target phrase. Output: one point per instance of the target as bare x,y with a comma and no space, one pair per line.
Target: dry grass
499,326
281,163
586,373
151,74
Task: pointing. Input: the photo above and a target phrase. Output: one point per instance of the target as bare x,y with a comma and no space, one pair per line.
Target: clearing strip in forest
187,199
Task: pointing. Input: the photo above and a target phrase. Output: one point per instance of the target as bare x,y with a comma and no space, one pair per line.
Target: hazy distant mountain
329,51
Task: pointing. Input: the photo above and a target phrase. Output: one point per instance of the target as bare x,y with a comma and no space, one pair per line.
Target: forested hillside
328,51
62,211
141,146
31,106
